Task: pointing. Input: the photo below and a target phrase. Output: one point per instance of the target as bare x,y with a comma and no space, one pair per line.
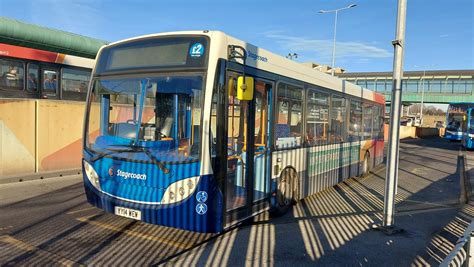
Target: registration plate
129,213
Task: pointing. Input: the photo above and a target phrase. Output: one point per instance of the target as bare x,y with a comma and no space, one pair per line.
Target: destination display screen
154,53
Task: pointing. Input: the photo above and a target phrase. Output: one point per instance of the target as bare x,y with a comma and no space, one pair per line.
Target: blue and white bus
199,130
454,118
468,129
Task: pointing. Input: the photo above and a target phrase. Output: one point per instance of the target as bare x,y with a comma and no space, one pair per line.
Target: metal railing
463,252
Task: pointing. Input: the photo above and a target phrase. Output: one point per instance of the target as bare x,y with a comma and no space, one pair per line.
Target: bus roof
268,61
23,34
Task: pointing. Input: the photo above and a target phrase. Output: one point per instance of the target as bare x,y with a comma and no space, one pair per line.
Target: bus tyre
286,192
366,165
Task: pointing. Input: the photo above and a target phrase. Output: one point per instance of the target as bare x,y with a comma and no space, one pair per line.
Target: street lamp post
422,97
335,29
423,89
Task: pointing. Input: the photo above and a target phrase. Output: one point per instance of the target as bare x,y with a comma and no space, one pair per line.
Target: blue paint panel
468,142
149,190
456,137
180,215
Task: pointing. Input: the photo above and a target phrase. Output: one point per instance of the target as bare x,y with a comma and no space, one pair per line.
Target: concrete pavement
19,191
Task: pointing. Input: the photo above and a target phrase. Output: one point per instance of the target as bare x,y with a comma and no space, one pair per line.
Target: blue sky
440,33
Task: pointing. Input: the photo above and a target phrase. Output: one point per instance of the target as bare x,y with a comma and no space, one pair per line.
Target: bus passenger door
262,126
236,176
247,180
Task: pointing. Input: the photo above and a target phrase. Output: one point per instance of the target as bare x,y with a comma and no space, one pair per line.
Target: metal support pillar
394,132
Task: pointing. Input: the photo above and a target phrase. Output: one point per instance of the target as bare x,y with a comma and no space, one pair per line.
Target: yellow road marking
6,239
134,233
81,210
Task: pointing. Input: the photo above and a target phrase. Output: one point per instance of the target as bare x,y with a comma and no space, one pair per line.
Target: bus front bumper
189,214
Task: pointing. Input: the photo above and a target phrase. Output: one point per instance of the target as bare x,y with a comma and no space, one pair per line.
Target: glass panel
33,73
50,81
447,86
261,183
435,86
338,120
412,86
317,119
459,86
377,122
371,85
236,194
160,115
380,86
469,86
388,85
471,122
361,83
12,74
367,123
75,80
355,121
288,128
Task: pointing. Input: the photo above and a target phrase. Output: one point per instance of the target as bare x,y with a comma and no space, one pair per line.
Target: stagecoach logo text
131,175
254,56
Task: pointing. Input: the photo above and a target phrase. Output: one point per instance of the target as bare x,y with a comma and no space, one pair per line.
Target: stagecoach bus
454,119
33,73
39,62
468,129
199,130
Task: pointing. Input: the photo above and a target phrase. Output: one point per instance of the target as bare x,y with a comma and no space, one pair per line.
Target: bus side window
317,122
289,119
11,74
355,121
33,73
74,83
338,119
50,81
367,121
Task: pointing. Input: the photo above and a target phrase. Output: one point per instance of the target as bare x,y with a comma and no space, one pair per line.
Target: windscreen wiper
113,151
134,149
157,162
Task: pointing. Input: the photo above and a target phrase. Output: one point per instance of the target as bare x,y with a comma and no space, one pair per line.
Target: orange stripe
60,58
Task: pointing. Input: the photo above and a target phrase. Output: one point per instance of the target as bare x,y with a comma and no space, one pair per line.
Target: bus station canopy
19,33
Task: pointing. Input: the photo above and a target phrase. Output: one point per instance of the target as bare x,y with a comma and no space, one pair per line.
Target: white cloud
321,50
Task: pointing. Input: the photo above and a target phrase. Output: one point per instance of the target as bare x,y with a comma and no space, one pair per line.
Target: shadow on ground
333,227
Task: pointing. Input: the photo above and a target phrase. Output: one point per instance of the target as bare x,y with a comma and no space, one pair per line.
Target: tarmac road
50,222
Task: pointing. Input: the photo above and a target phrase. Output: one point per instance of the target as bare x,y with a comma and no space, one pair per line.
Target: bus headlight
180,190
91,175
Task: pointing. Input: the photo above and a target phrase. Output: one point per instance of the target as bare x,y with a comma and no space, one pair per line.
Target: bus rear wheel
286,192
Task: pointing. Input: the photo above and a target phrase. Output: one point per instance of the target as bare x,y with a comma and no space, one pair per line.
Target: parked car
410,121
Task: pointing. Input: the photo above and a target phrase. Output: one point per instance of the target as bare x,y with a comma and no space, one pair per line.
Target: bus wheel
366,164
286,193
